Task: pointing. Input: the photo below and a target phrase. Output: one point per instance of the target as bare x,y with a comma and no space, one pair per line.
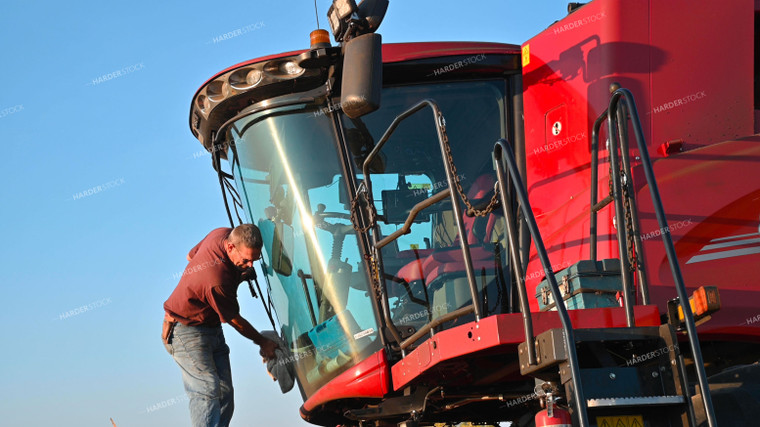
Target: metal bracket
550,350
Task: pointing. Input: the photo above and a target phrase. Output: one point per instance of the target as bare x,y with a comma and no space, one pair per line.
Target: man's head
243,245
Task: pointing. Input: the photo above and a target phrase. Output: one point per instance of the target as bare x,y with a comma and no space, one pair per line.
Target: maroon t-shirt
207,292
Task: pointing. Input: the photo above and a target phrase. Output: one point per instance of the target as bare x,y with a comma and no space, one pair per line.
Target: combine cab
488,232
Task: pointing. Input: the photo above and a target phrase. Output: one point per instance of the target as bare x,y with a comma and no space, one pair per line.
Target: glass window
287,168
291,183
424,270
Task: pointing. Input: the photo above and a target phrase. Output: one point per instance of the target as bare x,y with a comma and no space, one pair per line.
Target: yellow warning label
620,421
526,55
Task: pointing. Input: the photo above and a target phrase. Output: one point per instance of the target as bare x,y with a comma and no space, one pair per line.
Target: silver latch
545,295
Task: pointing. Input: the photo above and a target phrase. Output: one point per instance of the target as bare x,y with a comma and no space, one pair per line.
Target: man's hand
267,349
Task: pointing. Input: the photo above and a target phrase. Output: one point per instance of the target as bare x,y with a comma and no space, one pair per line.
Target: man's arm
247,330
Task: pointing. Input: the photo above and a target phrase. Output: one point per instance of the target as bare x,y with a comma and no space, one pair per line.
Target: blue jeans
204,358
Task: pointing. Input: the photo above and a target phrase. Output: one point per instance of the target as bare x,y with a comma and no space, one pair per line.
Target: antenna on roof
316,12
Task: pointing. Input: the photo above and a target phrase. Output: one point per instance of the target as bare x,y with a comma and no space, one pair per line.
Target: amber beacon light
319,39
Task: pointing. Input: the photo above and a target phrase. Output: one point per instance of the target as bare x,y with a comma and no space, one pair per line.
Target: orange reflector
704,301
319,38
700,301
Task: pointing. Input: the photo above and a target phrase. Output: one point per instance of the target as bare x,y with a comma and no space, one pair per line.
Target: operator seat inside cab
442,272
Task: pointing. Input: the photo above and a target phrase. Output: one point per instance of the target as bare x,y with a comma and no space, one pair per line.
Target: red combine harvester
474,232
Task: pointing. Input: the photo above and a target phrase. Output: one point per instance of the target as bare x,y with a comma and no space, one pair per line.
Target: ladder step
635,401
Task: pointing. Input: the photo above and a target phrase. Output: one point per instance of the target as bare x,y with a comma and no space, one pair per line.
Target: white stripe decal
734,237
730,244
724,254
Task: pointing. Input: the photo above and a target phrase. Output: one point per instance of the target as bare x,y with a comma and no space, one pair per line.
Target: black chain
355,215
471,211
629,226
375,269
630,247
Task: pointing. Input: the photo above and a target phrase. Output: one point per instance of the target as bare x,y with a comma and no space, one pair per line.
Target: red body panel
689,65
504,330
368,379
712,197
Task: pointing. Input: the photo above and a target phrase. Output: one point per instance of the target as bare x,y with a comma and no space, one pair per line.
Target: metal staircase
636,372
633,372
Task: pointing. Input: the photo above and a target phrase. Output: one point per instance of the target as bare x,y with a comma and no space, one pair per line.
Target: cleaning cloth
281,368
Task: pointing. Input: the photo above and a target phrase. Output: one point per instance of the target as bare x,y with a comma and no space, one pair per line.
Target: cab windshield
293,189
292,181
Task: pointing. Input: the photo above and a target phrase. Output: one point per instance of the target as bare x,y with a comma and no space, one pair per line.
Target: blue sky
106,191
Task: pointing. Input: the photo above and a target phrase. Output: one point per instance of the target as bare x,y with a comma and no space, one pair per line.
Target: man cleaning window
206,297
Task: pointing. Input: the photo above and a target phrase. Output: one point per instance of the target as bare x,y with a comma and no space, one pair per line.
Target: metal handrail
617,199
367,184
624,97
622,116
522,293
619,180
502,147
595,207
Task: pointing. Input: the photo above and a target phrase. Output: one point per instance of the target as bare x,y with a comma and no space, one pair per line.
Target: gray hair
247,235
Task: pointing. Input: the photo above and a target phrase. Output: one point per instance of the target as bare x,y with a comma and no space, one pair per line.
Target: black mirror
362,75
373,12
